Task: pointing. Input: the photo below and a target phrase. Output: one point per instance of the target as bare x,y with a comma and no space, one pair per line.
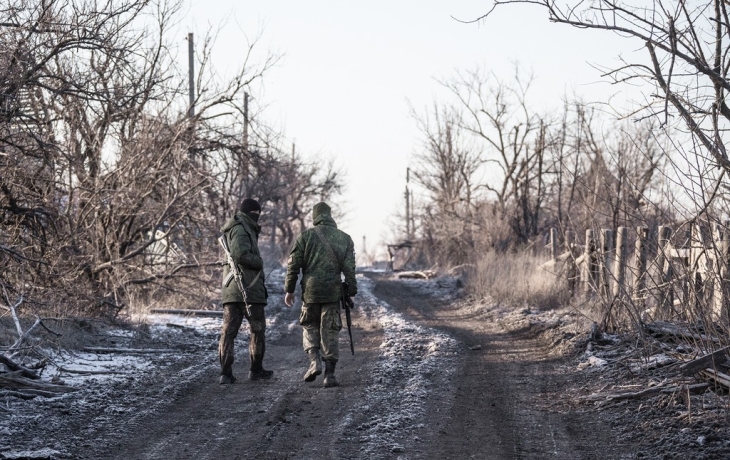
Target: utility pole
191,75
413,219
408,205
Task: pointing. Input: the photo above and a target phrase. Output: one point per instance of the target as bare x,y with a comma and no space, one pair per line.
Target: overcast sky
352,70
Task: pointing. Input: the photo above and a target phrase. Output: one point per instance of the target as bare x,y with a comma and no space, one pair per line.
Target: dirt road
433,378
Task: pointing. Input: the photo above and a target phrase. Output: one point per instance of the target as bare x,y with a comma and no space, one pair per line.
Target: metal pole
408,205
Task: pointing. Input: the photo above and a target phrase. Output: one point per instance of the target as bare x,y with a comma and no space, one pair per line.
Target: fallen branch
627,395
663,327
131,351
18,394
424,275
13,366
718,377
28,393
178,311
180,326
15,381
701,363
659,389
90,372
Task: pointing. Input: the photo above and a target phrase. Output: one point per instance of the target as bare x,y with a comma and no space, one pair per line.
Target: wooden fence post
718,261
619,271
605,271
642,234
665,300
572,270
721,240
553,243
696,279
590,267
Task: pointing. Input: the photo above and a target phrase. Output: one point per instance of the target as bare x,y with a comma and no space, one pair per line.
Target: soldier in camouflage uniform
242,234
322,253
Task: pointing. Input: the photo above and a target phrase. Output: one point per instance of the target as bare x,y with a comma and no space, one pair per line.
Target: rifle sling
318,232
229,278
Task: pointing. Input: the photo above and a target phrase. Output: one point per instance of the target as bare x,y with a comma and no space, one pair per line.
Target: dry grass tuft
516,279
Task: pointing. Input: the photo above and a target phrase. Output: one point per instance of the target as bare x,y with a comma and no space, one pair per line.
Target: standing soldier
242,235
322,253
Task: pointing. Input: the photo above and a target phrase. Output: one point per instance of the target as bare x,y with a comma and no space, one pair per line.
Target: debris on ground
421,274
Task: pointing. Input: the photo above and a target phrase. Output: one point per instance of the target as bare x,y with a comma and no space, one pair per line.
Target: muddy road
433,377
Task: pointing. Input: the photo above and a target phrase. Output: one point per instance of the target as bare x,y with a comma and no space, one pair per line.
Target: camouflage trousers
322,323
233,314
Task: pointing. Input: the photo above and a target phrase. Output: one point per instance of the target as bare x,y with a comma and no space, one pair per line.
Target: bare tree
685,65
109,190
514,139
493,166
603,173
447,169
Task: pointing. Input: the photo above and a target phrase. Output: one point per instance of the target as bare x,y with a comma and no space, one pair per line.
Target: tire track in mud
506,399
410,369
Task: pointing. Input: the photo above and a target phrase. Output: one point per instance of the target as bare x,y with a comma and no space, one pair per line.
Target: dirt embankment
434,377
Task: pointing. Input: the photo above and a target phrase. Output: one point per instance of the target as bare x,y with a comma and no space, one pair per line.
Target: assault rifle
348,304
235,271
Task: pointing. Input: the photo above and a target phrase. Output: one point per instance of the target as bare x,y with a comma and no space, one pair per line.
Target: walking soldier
322,253
240,239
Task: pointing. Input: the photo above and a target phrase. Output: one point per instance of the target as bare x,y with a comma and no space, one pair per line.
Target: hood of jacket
325,219
245,220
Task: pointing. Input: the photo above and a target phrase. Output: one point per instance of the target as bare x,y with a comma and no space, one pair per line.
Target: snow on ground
172,334
185,347
411,359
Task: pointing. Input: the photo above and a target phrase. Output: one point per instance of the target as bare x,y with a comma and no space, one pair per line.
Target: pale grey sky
350,69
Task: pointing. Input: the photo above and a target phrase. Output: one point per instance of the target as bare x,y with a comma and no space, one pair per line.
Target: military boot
315,365
227,379
261,374
226,359
227,372
329,374
257,371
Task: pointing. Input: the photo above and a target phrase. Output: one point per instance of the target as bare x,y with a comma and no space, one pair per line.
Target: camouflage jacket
242,234
321,278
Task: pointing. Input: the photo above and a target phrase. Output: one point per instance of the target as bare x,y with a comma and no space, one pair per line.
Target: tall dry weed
518,279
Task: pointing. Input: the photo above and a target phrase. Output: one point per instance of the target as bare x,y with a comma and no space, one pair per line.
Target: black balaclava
251,208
